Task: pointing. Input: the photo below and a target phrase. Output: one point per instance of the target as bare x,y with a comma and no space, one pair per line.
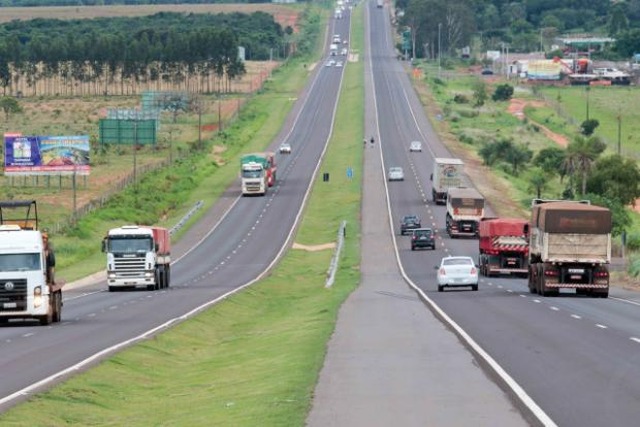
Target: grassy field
255,358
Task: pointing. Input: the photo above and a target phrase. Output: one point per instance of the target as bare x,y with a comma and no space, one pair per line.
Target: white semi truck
138,256
447,173
28,289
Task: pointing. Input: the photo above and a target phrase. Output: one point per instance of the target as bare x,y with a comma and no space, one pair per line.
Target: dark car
409,223
423,238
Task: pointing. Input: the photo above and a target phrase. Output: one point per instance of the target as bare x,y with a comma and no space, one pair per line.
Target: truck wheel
47,318
168,276
440,288
474,287
112,289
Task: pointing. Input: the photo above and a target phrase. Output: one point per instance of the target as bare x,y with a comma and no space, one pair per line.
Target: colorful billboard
46,155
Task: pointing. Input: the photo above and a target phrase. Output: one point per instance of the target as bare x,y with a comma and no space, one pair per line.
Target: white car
339,64
396,174
457,271
415,146
285,148
344,51
330,63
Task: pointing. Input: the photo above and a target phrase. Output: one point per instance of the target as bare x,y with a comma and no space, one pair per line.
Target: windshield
252,174
129,244
20,262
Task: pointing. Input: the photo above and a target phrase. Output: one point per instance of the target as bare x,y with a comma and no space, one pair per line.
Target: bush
633,242
503,93
460,99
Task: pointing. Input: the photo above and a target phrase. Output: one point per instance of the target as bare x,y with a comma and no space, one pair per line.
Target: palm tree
580,155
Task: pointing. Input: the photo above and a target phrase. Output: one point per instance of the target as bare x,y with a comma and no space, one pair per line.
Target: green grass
253,359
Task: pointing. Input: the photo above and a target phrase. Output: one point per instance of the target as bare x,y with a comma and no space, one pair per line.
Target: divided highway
578,358
240,239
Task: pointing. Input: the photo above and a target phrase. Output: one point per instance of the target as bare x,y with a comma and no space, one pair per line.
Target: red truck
504,246
138,256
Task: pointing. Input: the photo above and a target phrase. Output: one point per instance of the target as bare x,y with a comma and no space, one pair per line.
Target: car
456,271
486,72
330,63
423,238
285,148
415,146
409,223
338,63
344,51
396,174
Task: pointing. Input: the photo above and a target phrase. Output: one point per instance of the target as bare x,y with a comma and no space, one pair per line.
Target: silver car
457,271
285,148
415,146
396,174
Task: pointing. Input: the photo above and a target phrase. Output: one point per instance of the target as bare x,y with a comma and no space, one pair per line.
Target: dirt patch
314,248
516,108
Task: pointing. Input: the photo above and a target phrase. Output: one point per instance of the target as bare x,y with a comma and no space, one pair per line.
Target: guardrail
186,217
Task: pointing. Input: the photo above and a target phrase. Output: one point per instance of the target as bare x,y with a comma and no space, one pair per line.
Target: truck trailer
465,210
447,173
138,256
258,172
503,246
28,287
569,248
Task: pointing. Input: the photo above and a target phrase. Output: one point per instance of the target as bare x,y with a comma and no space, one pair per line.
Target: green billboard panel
128,132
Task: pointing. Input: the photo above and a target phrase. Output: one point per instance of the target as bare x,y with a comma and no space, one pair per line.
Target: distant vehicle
257,172
333,49
344,51
396,174
456,271
486,72
330,63
415,146
447,173
339,64
504,246
423,238
285,148
409,223
380,4
336,38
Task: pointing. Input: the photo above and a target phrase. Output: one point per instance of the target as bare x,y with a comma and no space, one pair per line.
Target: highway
578,358
236,242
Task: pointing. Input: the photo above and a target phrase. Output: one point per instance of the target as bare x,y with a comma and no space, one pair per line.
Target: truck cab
28,289
254,179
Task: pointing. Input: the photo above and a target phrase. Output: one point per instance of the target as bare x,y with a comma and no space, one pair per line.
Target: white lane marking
537,301
601,326
30,334
554,308
635,339
575,316
625,300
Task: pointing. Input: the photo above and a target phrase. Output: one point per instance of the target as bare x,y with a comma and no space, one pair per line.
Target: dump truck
138,256
447,173
28,287
503,246
465,210
258,172
569,248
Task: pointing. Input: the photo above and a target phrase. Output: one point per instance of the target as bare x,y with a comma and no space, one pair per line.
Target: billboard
46,155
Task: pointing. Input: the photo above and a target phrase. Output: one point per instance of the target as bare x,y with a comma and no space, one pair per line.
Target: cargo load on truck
29,289
570,248
465,210
503,246
447,173
138,256
257,172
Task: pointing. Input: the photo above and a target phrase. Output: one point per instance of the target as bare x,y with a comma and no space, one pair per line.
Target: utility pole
439,47
619,133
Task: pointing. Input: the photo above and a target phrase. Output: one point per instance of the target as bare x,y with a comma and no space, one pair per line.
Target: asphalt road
235,243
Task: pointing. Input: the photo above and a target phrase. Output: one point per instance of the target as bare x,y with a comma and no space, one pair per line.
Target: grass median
253,359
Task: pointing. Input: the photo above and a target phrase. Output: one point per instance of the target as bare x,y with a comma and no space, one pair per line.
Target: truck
569,248
447,173
503,246
138,256
380,4
333,49
465,210
258,172
28,287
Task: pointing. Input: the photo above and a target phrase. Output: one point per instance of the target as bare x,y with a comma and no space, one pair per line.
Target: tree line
195,52
443,26
36,3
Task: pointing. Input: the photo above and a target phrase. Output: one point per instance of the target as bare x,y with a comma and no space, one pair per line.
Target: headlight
112,275
148,274
37,296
